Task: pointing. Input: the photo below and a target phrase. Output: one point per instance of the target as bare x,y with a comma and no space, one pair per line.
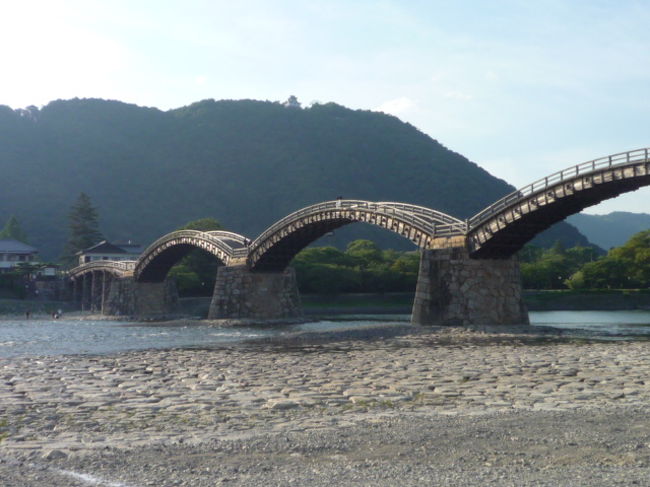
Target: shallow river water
21,337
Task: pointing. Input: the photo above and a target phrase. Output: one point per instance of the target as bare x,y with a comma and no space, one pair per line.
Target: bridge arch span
502,228
115,268
156,261
278,245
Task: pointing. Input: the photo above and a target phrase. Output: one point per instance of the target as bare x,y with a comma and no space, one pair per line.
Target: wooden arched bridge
467,271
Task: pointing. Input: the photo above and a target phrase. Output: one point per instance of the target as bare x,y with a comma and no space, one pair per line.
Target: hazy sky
522,88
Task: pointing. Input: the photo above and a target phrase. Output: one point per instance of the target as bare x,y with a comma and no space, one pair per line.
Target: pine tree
84,228
13,230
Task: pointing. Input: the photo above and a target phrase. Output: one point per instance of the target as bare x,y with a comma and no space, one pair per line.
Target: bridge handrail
582,169
436,215
444,225
190,234
122,265
325,205
449,226
405,215
230,235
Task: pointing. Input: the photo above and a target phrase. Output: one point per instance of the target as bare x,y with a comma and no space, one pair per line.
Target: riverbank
18,307
594,300
536,300
452,406
389,303
402,303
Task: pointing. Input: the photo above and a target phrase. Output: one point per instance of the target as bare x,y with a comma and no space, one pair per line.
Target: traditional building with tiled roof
105,250
13,252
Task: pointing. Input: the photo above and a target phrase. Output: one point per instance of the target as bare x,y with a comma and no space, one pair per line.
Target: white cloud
397,106
458,95
491,76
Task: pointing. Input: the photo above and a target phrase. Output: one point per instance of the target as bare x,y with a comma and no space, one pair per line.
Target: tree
363,267
323,255
203,224
606,273
13,230
551,268
624,267
196,272
365,252
83,228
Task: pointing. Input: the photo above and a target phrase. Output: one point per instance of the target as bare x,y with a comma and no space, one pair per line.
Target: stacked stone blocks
240,293
454,289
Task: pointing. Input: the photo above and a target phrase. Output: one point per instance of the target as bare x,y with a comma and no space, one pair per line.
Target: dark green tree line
13,230
624,267
196,272
550,268
362,267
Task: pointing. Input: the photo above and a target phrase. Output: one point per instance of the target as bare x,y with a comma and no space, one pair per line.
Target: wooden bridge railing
583,169
431,221
214,237
122,266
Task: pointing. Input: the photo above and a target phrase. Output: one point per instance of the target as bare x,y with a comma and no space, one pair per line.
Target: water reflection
58,337
629,323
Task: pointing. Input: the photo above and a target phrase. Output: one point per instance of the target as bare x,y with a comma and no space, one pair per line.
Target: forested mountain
246,163
611,230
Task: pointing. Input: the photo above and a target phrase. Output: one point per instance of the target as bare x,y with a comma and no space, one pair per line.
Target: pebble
54,455
53,406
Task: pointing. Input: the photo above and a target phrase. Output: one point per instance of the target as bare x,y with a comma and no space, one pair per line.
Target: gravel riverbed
449,407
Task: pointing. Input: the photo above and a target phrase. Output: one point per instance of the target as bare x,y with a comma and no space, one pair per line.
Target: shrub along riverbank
389,303
401,303
555,300
596,300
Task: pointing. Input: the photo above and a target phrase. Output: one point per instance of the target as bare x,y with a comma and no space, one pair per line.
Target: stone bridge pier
455,289
240,293
104,293
452,289
128,297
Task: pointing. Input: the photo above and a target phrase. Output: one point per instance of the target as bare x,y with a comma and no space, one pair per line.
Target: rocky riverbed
450,407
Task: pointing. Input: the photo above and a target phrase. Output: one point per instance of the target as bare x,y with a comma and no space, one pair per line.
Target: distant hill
246,163
611,230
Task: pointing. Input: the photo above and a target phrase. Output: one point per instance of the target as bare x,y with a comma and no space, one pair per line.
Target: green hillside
246,163
611,230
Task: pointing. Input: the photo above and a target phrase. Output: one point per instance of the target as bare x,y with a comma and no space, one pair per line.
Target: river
34,337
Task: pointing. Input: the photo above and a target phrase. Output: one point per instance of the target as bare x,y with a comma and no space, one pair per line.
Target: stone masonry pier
105,293
240,293
454,289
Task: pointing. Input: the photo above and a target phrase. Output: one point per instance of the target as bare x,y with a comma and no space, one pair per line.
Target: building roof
103,247
130,247
11,246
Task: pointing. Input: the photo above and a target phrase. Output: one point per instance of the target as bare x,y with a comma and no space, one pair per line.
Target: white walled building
13,252
105,250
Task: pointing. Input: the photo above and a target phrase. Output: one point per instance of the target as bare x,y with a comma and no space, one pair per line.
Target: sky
524,89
